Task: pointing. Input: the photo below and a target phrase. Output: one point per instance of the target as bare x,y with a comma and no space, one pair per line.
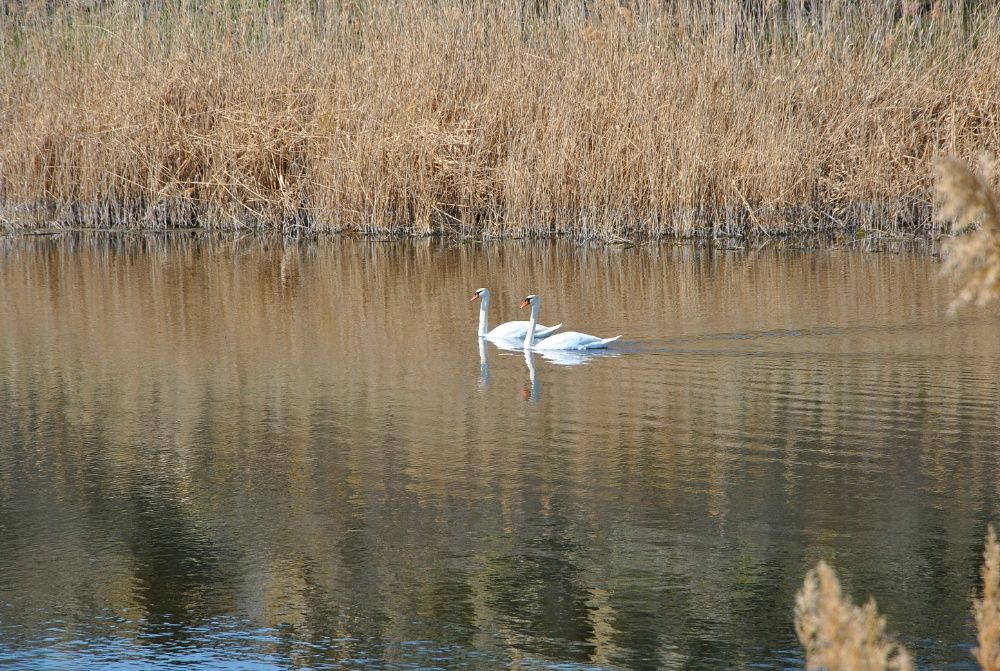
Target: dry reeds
987,609
498,118
969,200
839,636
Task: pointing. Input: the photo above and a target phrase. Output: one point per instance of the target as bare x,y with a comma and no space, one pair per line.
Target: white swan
566,340
510,330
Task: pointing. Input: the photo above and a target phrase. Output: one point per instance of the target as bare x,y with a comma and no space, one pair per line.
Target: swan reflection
507,345
484,364
557,357
576,358
534,392
561,357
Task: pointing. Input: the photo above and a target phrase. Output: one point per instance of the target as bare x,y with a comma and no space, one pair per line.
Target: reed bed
592,118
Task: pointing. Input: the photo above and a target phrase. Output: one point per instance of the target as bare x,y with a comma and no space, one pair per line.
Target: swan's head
529,300
480,293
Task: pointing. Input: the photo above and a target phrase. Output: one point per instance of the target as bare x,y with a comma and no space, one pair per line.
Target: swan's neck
529,337
484,305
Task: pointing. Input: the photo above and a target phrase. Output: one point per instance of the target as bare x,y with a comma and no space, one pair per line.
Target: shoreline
811,242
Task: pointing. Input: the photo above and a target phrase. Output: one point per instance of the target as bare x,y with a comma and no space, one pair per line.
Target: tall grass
502,117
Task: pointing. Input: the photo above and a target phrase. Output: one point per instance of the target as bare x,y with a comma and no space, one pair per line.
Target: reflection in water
559,357
507,345
576,357
534,389
264,451
484,363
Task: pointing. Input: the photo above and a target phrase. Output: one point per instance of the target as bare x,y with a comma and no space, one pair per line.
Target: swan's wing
516,330
546,330
601,342
564,340
572,340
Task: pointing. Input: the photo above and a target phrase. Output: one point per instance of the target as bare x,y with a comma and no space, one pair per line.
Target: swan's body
574,340
516,330
570,340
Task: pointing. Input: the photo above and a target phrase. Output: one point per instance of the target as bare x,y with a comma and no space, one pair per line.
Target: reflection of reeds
836,634
967,199
839,636
489,116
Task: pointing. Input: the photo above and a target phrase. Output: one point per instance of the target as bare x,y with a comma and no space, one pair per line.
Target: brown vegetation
987,609
970,202
506,117
838,636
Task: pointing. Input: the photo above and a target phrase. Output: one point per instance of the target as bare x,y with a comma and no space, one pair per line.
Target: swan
510,330
565,340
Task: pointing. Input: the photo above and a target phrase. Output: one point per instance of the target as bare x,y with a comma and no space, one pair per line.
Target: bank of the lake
592,119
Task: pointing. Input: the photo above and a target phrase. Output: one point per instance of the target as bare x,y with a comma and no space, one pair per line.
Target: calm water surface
257,454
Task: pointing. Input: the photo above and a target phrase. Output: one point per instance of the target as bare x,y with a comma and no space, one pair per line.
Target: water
255,454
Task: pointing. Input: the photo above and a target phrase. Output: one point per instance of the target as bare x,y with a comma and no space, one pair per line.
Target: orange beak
525,303
475,297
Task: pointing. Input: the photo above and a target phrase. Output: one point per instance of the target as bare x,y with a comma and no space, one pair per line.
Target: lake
255,453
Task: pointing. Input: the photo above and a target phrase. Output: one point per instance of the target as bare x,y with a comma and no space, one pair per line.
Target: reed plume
968,199
987,609
839,636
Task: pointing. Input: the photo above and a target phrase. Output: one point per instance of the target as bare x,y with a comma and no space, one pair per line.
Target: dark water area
250,453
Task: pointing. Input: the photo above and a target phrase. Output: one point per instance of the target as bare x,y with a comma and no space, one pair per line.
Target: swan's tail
547,332
602,343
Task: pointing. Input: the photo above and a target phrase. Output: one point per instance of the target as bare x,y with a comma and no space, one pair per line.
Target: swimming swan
565,340
516,330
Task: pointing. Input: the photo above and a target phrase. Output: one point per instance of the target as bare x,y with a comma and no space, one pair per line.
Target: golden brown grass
969,200
839,636
499,117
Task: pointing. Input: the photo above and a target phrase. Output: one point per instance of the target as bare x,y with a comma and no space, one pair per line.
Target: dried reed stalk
987,609
839,636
